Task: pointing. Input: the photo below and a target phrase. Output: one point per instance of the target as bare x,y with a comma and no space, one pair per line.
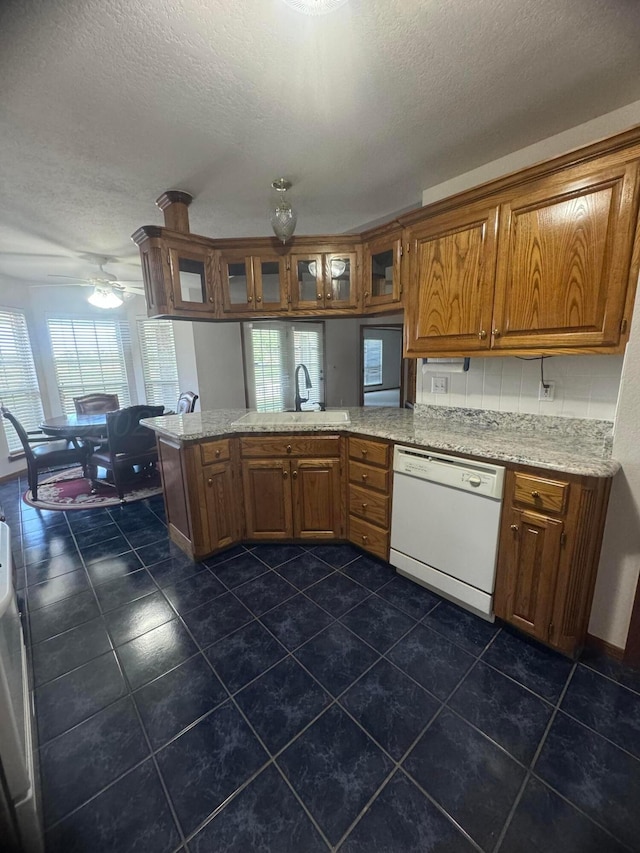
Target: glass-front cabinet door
236,279
340,278
382,271
191,288
269,283
323,281
307,281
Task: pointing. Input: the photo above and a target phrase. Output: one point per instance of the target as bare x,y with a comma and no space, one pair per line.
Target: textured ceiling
106,103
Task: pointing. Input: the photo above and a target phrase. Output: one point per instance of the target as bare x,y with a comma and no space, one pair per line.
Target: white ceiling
106,103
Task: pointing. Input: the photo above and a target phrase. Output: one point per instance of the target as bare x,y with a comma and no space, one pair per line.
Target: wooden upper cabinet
381,274
191,286
565,247
252,283
323,280
451,277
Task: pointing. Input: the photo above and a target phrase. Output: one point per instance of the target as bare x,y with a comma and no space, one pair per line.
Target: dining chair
96,404
128,445
46,452
186,403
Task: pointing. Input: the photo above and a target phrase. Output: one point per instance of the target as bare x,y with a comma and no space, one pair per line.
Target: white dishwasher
445,522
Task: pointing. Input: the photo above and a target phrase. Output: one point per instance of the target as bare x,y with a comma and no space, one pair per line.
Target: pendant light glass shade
283,217
103,297
337,268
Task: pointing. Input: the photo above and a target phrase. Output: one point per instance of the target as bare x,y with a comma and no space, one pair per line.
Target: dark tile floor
289,699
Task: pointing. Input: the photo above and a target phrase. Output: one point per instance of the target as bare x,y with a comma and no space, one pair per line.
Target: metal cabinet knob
318,296
258,298
514,527
365,476
364,452
328,295
210,481
482,334
294,474
496,333
211,299
288,448
285,474
366,294
535,494
364,538
217,454
364,506
249,298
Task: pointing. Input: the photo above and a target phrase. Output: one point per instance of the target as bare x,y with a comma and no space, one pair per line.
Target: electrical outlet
439,384
546,391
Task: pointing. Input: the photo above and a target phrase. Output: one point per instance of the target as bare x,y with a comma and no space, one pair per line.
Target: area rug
70,490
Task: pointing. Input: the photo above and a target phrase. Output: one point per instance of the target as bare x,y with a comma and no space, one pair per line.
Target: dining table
75,426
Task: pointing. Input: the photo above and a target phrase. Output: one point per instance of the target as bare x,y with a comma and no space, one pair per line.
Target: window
90,357
159,366
272,351
19,389
372,361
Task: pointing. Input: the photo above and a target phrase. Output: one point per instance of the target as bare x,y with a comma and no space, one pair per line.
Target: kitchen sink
336,417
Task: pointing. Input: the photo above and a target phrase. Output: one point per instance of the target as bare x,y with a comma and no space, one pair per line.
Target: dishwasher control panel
483,479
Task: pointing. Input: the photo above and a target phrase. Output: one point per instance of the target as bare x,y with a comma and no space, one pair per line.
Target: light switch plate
439,384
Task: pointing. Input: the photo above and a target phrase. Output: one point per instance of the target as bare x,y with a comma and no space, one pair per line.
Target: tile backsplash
586,386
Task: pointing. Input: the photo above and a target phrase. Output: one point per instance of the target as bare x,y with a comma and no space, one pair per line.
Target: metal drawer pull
365,476
288,448
217,453
535,494
364,538
364,452
364,506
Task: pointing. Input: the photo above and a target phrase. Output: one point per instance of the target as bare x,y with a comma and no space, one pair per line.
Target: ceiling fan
108,290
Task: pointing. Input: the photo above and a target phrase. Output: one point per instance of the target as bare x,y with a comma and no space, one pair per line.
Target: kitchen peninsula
226,483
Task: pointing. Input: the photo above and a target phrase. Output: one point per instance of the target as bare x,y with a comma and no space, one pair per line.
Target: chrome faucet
307,385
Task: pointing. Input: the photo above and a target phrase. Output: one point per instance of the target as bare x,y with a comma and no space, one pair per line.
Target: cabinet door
269,283
220,498
382,272
190,279
340,277
317,512
267,498
563,264
451,280
530,549
236,277
307,282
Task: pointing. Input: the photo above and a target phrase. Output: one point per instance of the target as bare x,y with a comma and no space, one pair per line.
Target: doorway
385,377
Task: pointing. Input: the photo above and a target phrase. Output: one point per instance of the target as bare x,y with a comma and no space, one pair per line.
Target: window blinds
89,357
272,351
159,365
19,389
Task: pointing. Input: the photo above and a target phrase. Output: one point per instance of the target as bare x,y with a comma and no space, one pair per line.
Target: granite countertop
559,444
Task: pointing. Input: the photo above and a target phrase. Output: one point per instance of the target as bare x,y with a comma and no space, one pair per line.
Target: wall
391,356
218,358
342,356
585,386
620,558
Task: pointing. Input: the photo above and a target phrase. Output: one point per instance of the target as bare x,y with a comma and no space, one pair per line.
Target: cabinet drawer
369,537
540,493
372,452
367,475
282,446
370,505
215,451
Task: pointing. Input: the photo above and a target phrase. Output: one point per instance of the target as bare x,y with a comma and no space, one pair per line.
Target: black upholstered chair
46,452
96,404
128,446
186,403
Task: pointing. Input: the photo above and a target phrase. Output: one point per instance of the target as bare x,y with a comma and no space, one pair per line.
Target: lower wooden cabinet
370,495
219,488
292,498
550,541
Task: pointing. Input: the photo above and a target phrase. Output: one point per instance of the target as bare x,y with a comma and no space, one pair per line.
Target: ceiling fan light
103,297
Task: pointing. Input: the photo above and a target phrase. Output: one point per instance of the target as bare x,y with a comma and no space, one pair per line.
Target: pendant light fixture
283,216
